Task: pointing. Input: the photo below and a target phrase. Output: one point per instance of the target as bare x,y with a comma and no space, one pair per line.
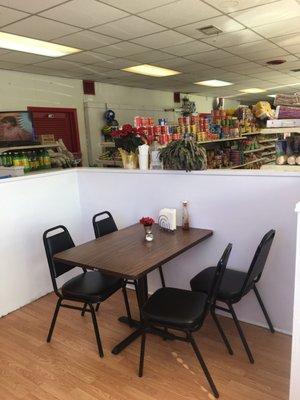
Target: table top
126,254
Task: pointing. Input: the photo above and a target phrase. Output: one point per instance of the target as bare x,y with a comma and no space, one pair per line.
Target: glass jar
185,216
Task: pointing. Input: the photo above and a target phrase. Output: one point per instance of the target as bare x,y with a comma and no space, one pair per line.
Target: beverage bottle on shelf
25,162
16,160
41,159
9,159
47,160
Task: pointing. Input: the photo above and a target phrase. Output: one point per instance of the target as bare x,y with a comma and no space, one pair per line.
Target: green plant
127,138
183,154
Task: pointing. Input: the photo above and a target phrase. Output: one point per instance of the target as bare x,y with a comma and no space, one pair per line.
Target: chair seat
175,307
91,287
231,285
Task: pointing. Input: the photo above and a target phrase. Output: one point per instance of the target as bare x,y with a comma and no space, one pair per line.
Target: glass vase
148,233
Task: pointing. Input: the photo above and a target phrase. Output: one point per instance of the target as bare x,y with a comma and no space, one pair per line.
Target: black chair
235,285
88,288
107,225
184,311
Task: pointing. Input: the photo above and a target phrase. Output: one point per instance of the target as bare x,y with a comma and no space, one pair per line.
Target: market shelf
251,133
267,140
248,163
29,147
269,131
269,154
111,163
107,144
260,149
221,140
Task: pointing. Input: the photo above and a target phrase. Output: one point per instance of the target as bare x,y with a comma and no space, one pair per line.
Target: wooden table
126,254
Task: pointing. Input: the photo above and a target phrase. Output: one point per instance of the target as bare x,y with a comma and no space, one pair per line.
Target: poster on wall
16,127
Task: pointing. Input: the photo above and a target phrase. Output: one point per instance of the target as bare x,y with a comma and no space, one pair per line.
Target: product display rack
29,147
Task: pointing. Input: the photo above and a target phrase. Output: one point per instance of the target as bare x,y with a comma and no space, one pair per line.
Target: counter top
209,172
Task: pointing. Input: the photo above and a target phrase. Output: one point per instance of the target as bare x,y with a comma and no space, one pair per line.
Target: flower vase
129,160
148,233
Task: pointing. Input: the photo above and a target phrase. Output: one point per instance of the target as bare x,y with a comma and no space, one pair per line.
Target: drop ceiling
115,34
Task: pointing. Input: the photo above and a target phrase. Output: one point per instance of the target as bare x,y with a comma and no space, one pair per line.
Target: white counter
240,206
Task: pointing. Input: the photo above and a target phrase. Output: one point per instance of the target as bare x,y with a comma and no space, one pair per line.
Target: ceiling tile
122,49
266,55
58,64
293,49
278,11
246,68
40,28
116,63
87,57
86,15
86,40
8,65
287,40
182,64
253,47
150,56
285,27
7,15
129,28
136,6
162,39
31,6
230,6
222,22
22,58
180,13
188,48
233,38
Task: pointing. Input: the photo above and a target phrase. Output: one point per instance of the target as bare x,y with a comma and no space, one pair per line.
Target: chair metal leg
127,305
220,329
54,319
83,309
142,354
241,333
94,318
262,306
203,365
162,278
97,307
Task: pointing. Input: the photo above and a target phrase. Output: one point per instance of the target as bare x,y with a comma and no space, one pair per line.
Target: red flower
127,128
116,133
147,221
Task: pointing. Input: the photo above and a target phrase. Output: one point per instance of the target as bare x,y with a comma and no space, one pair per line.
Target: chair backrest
105,225
259,261
220,270
54,244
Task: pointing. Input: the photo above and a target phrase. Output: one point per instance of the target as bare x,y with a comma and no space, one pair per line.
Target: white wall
239,206
295,365
18,90
29,206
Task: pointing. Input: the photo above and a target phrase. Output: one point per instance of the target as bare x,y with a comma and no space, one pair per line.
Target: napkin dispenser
167,219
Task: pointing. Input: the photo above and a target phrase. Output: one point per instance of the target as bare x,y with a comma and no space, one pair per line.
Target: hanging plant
184,155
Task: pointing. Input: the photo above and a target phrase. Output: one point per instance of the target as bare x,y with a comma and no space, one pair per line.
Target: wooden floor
69,368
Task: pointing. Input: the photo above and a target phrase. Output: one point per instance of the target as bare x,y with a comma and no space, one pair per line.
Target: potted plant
147,222
127,139
184,154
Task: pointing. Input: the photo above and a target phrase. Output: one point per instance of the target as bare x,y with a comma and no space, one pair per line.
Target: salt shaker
185,216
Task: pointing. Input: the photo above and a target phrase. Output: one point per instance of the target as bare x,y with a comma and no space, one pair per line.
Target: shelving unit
109,163
247,163
29,147
221,140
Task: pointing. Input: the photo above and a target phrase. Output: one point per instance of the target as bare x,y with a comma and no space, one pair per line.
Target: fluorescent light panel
253,90
27,45
151,70
214,83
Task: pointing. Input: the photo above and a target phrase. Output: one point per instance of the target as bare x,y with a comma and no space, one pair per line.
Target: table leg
142,295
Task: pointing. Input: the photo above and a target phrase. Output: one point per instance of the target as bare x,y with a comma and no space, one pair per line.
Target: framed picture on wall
16,128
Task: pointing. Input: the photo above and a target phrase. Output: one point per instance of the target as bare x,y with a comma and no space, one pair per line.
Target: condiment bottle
185,216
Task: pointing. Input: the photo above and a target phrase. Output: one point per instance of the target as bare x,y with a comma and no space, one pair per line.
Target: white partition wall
239,206
295,366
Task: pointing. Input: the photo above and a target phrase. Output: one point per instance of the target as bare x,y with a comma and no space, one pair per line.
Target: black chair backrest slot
55,244
220,270
105,225
259,261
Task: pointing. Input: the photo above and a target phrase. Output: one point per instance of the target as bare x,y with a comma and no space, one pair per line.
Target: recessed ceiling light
253,90
272,95
214,83
276,62
151,70
27,45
